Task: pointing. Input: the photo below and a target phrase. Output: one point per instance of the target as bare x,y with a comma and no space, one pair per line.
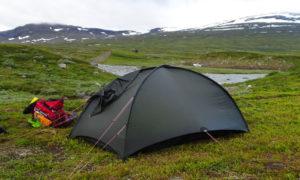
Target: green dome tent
153,105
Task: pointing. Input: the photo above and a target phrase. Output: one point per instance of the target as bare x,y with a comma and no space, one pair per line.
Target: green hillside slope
26,71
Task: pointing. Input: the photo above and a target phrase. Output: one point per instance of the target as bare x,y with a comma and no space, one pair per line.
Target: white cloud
139,15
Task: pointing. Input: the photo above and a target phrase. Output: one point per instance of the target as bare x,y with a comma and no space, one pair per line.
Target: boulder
98,84
197,65
134,50
62,65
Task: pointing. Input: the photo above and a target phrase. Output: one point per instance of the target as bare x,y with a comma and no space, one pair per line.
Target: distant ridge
52,33
286,22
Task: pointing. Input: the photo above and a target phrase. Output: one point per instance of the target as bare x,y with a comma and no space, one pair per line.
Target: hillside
28,71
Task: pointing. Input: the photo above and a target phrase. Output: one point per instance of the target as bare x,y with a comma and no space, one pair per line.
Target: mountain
275,24
53,33
269,33
258,22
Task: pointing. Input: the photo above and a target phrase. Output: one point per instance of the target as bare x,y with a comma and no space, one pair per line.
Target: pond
220,78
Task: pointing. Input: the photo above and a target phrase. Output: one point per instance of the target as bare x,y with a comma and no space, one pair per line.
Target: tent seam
130,111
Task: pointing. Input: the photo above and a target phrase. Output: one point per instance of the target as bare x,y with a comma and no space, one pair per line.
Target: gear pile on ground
48,113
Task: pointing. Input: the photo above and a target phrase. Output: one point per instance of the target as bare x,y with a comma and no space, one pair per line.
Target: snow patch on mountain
69,40
264,18
131,33
58,29
171,29
42,39
82,29
91,33
24,37
227,29
272,20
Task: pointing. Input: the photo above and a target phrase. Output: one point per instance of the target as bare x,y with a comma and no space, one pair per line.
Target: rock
197,65
34,61
44,65
81,95
134,50
62,65
8,67
98,84
96,73
24,76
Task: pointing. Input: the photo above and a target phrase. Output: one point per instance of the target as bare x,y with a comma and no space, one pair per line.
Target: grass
190,44
225,61
271,107
26,71
218,62
227,70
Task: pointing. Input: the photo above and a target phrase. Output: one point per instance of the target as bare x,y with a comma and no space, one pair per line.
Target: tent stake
214,139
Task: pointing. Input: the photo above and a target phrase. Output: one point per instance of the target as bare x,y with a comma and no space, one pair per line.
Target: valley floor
271,107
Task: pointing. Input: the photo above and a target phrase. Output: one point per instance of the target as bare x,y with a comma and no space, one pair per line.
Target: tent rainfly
153,105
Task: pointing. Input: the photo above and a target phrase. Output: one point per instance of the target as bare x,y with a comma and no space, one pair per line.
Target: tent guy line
103,134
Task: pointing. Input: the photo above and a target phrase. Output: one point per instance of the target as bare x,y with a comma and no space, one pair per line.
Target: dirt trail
101,58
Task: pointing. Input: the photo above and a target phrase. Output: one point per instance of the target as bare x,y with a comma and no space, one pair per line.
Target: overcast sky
139,15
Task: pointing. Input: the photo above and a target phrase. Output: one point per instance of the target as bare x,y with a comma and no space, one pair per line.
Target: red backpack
52,110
